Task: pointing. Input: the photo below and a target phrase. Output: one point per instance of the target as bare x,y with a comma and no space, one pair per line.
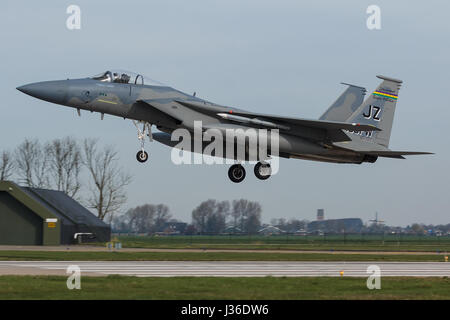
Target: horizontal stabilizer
395,154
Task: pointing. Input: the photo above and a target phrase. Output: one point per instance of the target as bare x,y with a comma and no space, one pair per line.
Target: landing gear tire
262,171
142,156
236,173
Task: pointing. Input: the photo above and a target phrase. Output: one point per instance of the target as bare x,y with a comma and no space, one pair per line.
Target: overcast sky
279,57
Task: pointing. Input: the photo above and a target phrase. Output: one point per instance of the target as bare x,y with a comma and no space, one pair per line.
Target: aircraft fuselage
125,100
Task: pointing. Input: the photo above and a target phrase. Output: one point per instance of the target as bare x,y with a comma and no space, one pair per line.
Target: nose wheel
236,173
142,155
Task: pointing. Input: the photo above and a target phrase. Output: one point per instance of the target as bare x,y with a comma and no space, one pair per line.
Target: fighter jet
353,129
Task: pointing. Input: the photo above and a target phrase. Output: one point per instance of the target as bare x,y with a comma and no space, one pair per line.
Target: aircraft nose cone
22,88
52,91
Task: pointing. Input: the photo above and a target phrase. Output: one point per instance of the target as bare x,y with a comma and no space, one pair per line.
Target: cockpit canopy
123,76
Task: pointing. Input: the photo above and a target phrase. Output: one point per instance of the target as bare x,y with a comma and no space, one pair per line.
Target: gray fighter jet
352,130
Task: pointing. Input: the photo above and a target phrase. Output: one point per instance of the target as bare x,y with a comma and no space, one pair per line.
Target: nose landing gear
142,155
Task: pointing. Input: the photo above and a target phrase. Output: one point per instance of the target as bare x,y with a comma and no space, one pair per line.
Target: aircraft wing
275,122
164,108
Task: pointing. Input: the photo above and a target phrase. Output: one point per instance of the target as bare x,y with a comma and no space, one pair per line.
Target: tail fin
345,105
378,109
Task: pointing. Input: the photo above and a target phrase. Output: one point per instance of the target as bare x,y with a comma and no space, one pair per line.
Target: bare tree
141,218
210,216
146,218
295,225
253,222
162,216
6,165
236,212
279,223
64,160
248,213
32,164
108,179
201,214
224,208
217,220
120,223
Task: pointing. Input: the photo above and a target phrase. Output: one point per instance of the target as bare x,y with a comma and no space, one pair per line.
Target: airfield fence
235,239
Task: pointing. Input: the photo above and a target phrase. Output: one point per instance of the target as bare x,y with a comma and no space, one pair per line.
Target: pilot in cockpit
123,78
116,77
106,77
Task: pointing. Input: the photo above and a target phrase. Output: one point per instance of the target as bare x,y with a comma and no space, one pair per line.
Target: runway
226,268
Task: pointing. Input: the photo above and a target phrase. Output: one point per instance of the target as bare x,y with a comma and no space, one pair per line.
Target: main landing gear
236,173
142,155
262,171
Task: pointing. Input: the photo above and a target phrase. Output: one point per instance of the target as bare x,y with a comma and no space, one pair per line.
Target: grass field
210,256
118,287
290,242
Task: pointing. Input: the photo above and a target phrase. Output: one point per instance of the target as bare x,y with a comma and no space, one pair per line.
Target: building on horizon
346,225
320,214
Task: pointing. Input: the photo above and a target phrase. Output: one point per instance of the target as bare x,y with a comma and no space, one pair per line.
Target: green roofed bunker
30,216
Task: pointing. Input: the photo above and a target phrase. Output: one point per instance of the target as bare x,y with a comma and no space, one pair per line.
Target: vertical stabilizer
345,105
378,109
